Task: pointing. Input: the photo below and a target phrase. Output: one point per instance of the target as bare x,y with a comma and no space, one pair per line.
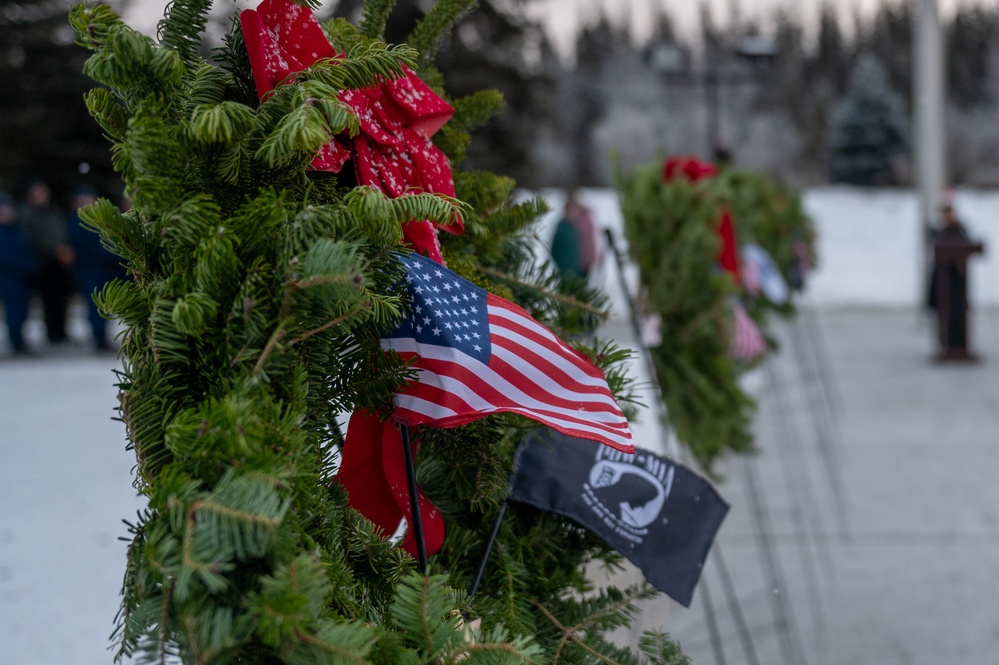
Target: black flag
659,514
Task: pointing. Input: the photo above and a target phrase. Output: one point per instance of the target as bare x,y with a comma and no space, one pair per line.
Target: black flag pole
636,326
485,555
414,500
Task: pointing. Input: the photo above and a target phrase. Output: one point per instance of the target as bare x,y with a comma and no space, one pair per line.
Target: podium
950,293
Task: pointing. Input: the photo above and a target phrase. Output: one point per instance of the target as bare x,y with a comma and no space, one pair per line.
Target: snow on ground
65,486
867,247
65,476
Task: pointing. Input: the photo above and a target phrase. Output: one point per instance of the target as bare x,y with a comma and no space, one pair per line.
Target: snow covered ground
65,476
867,248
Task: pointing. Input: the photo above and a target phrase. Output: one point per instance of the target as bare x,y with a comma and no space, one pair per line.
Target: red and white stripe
747,341
531,372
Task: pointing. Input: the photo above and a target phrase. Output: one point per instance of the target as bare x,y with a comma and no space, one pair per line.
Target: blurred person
574,246
95,265
948,287
18,268
950,230
45,228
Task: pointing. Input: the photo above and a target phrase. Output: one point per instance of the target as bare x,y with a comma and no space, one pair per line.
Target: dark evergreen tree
44,127
497,47
888,38
867,127
259,291
585,101
969,37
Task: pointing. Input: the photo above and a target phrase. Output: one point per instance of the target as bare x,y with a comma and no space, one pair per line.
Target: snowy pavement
874,541
65,486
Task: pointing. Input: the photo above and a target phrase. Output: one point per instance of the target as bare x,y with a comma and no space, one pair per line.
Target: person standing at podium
952,276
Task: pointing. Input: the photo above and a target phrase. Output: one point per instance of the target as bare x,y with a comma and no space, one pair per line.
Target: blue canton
445,309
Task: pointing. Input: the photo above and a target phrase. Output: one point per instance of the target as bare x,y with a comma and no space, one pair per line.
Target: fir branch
331,323
123,60
120,234
367,203
375,16
164,623
548,293
92,23
342,34
298,135
272,343
221,123
423,610
476,110
182,26
209,633
661,650
571,634
108,113
233,59
363,65
366,64
428,34
334,643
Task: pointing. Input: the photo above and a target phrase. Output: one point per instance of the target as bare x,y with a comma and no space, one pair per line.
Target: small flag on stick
766,276
479,354
747,341
660,515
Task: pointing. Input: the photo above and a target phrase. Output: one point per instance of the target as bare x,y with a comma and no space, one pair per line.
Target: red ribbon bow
374,474
690,168
693,169
393,153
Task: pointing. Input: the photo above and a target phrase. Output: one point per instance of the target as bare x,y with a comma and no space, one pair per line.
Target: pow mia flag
659,514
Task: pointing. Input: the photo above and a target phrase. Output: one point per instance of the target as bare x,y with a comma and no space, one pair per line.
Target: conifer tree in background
258,293
867,128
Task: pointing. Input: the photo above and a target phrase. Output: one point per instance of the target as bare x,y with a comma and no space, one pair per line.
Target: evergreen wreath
671,228
257,294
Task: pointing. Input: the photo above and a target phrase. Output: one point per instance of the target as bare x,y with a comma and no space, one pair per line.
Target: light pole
928,102
671,62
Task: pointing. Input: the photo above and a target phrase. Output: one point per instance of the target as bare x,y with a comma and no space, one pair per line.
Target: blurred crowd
47,257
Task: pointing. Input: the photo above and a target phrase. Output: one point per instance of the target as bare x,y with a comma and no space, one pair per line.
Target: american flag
479,354
747,341
759,268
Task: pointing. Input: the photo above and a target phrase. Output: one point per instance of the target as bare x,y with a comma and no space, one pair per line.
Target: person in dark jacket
95,265
45,227
18,268
952,278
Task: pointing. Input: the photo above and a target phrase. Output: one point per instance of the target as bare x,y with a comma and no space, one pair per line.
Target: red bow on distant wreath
690,168
693,170
728,255
393,152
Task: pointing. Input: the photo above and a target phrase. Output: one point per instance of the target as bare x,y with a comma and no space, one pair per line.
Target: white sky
562,18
